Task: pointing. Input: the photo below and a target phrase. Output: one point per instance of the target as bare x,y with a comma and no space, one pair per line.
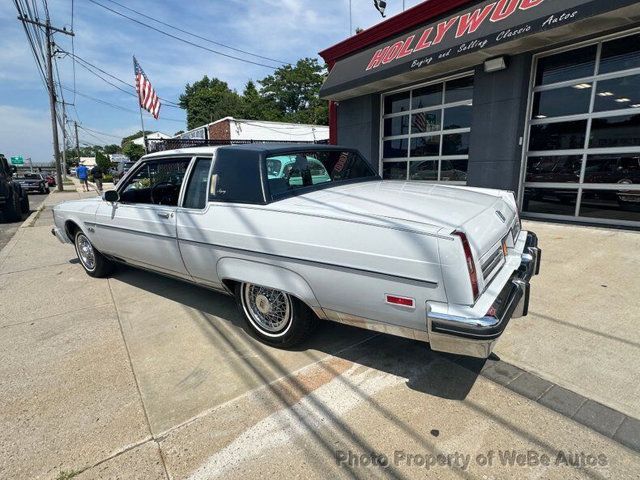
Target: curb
31,219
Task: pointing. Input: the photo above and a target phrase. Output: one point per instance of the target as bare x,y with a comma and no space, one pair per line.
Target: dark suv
14,202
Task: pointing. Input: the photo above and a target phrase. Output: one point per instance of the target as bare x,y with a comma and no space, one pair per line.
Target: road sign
17,161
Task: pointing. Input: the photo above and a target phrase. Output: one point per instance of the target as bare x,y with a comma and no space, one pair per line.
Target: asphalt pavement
8,229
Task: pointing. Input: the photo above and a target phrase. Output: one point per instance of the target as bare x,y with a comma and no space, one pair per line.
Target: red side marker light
401,301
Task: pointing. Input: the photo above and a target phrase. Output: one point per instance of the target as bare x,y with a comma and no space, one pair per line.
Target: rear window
288,173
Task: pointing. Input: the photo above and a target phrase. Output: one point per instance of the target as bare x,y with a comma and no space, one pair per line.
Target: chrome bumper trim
60,235
476,336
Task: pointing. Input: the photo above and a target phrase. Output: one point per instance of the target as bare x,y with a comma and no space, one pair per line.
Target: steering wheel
172,190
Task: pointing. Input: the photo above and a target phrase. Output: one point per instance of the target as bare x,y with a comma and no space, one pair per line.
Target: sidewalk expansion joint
135,379
48,317
588,413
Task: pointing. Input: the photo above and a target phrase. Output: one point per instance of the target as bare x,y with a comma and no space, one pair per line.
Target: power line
198,36
91,68
104,102
188,42
87,129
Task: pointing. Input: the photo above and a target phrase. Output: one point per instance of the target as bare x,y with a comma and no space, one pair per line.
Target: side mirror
111,196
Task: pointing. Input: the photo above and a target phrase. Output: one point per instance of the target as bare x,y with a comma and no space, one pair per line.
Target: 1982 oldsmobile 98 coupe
299,233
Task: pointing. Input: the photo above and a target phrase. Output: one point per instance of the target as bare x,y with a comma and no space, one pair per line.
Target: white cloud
26,132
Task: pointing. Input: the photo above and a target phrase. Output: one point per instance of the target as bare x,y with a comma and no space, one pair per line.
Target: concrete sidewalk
140,376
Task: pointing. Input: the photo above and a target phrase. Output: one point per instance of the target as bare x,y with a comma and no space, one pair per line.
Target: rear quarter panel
349,265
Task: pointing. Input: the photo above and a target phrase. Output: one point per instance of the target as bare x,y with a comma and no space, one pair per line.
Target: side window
196,194
156,182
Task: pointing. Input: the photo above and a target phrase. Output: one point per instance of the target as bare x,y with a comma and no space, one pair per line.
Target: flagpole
144,133
350,19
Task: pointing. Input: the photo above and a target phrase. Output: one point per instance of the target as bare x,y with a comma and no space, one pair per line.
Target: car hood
420,206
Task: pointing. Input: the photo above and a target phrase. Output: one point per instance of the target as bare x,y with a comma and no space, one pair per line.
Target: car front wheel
93,262
275,317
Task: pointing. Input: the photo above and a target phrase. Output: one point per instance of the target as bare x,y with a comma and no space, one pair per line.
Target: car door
140,227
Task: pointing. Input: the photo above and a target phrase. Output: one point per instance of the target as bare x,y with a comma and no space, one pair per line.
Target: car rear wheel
274,316
13,212
93,262
24,204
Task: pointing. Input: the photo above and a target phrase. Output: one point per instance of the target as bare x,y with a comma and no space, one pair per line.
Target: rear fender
267,275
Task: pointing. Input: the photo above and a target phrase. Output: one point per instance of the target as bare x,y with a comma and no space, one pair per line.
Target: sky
285,30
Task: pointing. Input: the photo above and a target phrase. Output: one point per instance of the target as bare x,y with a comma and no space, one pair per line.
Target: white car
324,238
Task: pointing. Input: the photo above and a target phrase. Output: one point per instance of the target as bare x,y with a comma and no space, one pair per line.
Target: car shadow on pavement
425,371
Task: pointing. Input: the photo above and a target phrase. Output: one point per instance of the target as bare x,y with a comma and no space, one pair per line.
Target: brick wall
220,131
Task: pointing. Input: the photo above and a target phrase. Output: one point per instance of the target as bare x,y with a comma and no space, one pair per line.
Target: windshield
290,172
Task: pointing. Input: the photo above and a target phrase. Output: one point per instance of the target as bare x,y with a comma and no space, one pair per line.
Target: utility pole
49,30
75,125
64,141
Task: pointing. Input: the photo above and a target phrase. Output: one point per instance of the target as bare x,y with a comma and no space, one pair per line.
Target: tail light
471,266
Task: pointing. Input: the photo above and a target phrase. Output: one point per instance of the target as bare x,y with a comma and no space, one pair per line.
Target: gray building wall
359,126
499,109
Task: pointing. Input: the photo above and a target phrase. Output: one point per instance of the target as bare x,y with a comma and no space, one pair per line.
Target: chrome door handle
164,214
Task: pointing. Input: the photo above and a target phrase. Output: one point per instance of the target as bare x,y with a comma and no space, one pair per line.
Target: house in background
234,129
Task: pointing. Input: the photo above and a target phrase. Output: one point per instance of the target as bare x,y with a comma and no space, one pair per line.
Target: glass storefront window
620,168
613,132
396,103
555,201
429,96
562,101
425,171
458,90
396,126
611,204
558,136
458,117
424,122
618,93
455,144
556,169
394,170
435,141
567,65
425,146
396,148
588,127
620,54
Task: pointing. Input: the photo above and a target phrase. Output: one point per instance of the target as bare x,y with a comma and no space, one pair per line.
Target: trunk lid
435,208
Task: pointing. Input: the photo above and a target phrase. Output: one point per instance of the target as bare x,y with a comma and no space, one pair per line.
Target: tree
111,149
208,100
295,91
103,161
257,107
179,132
133,151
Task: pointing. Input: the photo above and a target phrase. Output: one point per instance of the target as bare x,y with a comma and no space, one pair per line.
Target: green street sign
17,161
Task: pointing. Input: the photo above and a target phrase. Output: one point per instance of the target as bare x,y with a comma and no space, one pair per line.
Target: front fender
280,278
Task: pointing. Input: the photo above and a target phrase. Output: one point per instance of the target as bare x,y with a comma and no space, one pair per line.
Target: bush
107,178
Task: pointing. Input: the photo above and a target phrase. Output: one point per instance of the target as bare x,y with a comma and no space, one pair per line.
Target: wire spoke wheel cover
269,311
86,254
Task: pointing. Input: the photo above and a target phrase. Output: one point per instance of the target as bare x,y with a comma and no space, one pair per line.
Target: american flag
147,96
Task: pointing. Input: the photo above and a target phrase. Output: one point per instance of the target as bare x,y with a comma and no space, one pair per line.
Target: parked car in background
72,171
326,239
50,179
121,170
14,201
33,182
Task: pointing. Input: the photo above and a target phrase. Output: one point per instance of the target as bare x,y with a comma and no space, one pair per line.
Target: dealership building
541,97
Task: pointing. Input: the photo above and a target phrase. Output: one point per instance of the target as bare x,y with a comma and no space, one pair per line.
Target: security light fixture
495,64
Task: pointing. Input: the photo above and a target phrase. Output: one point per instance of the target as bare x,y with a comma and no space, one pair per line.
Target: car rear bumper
475,336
